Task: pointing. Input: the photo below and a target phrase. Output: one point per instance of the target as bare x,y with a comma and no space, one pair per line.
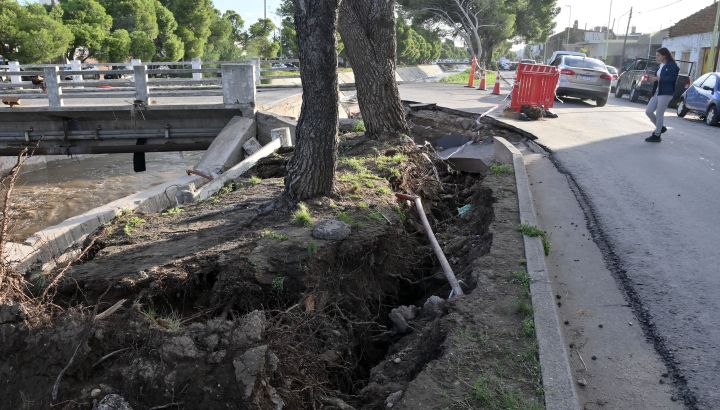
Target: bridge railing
136,80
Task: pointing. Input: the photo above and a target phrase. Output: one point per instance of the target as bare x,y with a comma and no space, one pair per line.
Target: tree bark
311,170
368,31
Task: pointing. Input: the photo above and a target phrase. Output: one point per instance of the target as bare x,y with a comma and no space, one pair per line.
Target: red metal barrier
535,86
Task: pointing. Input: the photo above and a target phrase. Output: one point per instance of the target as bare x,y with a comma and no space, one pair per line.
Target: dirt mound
219,305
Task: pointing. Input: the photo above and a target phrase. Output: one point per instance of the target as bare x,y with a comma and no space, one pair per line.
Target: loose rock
331,230
113,402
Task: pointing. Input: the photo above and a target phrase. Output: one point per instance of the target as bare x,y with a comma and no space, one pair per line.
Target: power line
659,8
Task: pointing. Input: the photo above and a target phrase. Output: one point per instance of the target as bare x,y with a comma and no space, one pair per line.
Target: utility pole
265,8
713,48
607,34
627,30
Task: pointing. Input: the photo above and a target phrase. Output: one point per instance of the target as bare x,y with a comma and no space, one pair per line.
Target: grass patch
254,180
501,169
278,236
378,216
278,284
355,164
171,211
345,217
523,307
383,190
522,278
280,73
463,77
302,216
401,214
528,327
534,231
363,205
359,126
171,322
132,224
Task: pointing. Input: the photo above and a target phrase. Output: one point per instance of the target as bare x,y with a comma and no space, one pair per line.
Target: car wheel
634,95
601,101
681,109
619,92
711,116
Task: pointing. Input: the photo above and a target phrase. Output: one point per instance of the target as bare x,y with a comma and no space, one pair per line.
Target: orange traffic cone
471,80
481,87
496,89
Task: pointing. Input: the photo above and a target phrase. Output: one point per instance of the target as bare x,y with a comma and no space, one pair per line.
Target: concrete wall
37,162
692,44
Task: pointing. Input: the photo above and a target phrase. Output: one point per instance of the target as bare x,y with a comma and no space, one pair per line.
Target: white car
614,73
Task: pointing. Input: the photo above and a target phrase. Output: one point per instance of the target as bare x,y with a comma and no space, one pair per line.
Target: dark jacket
668,79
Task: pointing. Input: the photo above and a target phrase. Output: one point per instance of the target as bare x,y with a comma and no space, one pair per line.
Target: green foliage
523,307
302,216
522,278
358,126
254,180
278,284
133,16
194,18
500,169
30,34
377,216
345,217
528,327
383,190
168,46
220,45
278,236
90,25
132,224
115,47
534,232
141,46
171,211
416,45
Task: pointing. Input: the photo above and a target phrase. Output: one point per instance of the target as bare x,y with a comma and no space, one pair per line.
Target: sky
648,15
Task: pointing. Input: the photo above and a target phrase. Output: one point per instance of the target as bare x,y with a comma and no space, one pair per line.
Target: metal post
567,40
54,92
238,82
142,90
196,65
14,66
627,30
607,34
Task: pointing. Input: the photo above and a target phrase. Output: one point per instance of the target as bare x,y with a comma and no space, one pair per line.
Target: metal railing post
54,92
238,82
196,65
142,90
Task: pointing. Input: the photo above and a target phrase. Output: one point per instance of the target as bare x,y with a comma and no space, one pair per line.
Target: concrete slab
471,157
226,149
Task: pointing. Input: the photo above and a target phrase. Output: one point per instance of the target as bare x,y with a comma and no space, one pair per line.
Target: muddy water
67,188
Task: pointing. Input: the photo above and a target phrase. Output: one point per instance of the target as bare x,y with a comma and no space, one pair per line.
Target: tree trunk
368,31
311,170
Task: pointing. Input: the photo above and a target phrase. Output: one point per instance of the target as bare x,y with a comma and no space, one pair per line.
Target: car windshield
581,62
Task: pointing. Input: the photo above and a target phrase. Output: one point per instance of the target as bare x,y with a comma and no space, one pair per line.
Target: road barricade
534,86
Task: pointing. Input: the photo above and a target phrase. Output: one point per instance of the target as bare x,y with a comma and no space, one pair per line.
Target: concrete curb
557,378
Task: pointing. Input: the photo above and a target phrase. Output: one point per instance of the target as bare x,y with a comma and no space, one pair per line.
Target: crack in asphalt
615,265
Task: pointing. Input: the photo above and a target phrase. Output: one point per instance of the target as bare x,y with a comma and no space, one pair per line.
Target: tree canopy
485,24
30,34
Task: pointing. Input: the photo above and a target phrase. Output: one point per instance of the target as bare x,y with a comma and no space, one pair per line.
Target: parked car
583,77
634,81
614,73
559,53
702,98
116,76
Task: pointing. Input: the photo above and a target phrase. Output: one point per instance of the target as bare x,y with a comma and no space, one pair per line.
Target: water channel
68,188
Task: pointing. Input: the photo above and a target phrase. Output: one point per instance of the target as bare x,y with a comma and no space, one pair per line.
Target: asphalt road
657,219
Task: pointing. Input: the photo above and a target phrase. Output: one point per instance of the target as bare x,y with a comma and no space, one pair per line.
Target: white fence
137,80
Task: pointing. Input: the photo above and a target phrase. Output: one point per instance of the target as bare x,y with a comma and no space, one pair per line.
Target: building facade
691,39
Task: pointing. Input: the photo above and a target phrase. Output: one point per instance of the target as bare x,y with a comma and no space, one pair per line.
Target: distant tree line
116,30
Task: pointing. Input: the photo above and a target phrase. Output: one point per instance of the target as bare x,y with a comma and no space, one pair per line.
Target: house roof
701,22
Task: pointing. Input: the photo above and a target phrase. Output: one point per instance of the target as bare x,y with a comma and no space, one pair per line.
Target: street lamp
567,40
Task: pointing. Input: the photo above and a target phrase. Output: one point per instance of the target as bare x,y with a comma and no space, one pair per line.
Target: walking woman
663,91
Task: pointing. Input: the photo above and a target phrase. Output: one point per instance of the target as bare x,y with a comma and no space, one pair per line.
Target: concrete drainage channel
222,162
48,245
